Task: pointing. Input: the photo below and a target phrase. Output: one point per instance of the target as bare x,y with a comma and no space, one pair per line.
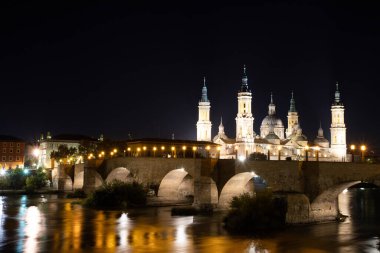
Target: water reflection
51,224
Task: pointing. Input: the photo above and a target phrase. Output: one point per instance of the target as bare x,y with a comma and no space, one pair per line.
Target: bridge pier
89,176
205,193
61,181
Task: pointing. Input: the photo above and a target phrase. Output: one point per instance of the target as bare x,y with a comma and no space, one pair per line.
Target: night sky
104,67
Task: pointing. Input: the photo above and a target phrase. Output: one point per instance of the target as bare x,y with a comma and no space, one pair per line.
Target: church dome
272,121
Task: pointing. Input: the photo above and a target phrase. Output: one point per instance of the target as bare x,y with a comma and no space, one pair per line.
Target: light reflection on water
52,224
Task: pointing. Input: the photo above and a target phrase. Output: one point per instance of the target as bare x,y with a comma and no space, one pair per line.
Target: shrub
256,213
256,156
36,181
118,195
16,178
4,183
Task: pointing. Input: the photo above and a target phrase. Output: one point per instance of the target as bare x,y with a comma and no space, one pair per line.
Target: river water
49,223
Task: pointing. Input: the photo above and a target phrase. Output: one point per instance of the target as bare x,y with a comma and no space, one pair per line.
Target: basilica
275,142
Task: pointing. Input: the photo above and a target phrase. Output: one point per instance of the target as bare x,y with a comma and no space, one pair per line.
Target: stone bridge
311,188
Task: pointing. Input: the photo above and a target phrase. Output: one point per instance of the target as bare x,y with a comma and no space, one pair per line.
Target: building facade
274,141
12,152
49,144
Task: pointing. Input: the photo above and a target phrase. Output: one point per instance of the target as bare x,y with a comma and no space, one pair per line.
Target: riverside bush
256,213
118,195
36,181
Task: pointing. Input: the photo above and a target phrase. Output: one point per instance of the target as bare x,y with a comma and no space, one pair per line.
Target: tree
64,153
256,156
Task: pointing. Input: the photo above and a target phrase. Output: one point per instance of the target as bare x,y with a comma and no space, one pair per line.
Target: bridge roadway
311,188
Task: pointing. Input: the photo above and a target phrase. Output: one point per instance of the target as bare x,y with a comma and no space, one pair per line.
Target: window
3,158
18,151
10,158
17,158
4,150
18,145
4,144
11,150
11,144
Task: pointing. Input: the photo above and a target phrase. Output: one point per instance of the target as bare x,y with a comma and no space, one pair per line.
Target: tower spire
244,81
272,107
337,94
292,104
204,91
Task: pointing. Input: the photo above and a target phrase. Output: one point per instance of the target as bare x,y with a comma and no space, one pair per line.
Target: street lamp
129,151
317,149
184,151
154,151
363,148
194,149
138,151
173,151
144,148
279,152
307,153
208,151
352,147
218,149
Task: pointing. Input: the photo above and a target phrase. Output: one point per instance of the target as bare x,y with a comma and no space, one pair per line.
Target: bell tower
244,120
338,128
204,123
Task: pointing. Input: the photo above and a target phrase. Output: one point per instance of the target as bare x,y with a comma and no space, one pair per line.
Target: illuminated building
273,141
12,152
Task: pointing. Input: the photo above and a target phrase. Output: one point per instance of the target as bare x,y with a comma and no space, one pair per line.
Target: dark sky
106,67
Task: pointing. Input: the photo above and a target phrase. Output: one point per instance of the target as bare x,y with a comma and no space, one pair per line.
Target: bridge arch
326,205
238,184
176,185
120,174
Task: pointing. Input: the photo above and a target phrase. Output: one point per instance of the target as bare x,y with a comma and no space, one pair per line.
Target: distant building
51,143
12,152
274,140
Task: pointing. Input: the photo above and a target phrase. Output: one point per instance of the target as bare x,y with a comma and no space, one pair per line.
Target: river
49,223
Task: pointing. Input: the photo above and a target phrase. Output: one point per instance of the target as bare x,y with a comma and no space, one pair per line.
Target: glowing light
184,148
241,158
307,147
172,148
254,174
345,191
144,148
352,147
154,148
162,148
218,148
26,171
194,148
362,189
208,148
129,149
2,172
138,149
363,147
36,152
115,150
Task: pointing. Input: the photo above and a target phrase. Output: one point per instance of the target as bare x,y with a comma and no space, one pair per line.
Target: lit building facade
12,152
274,141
